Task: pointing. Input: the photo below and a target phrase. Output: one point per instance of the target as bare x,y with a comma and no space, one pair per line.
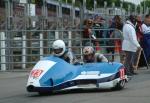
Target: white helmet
59,45
88,50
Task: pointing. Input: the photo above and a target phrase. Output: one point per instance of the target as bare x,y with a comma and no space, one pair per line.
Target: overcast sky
134,1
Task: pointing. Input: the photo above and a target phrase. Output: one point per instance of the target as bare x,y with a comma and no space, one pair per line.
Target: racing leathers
97,58
69,57
100,58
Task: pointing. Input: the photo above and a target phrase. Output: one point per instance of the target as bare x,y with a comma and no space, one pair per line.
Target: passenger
89,55
59,50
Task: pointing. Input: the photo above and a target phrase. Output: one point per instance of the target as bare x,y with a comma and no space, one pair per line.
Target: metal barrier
20,50
26,37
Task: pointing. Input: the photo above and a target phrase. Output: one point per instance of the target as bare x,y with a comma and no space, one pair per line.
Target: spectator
139,34
116,24
88,33
98,23
89,55
59,50
146,25
146,36
130,44
139,28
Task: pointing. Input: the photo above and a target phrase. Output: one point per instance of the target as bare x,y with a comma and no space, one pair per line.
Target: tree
145,4
39,2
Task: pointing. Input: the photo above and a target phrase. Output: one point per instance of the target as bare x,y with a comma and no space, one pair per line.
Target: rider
89,55
59,50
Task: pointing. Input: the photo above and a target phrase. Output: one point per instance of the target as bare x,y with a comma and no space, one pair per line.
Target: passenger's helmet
59,47
88,54
88,50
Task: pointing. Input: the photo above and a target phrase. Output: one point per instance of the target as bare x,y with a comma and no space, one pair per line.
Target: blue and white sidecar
54,74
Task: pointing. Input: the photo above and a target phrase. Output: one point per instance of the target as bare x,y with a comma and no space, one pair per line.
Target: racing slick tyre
120,85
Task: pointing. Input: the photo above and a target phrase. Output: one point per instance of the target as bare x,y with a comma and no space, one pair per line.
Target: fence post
73,13
69,42
56,35
3,52
24,51
41,45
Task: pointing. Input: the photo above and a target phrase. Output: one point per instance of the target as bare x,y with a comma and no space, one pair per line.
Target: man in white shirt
130,44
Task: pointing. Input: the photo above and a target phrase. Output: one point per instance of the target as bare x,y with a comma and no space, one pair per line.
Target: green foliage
32,1
146,3
39,2
100,3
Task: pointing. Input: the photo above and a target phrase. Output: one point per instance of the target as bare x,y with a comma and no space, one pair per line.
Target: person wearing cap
89,55
59,50
130,44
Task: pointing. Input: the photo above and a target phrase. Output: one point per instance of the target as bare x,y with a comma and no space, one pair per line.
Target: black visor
57,51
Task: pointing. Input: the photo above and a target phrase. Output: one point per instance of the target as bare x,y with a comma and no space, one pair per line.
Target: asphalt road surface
12,90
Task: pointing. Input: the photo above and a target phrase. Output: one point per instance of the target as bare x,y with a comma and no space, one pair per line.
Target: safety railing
20,50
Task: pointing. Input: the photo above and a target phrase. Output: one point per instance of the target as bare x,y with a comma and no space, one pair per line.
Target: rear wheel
120,85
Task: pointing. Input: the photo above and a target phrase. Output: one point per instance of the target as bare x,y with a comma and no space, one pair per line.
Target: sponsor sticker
90,73
36,73
122,74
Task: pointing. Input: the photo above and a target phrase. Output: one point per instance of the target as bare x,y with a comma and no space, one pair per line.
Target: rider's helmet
88,54
59,47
